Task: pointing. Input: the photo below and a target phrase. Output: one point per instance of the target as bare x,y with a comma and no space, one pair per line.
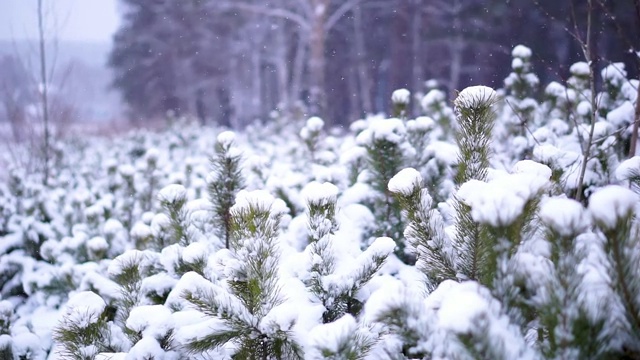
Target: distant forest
232,61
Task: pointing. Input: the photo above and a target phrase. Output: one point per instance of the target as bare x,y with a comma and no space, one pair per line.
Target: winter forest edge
502,225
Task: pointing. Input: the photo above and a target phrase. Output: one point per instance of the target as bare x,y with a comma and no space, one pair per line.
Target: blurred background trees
233,61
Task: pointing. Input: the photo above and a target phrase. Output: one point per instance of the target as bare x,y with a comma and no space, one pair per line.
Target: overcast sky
74,20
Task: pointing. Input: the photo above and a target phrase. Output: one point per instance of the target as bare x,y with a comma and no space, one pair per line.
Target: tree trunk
364,79
44,90
317,40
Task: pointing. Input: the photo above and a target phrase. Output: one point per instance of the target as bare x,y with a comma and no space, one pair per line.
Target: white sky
68,20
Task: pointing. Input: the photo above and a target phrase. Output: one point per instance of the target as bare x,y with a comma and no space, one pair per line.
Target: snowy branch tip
405,182
475,97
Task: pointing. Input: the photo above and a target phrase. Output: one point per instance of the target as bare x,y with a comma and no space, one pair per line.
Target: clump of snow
615,74
405,181
401,96
112,227
194,252
623,115
226,138
565,216
382,246
516,64
392,130
280,318
459,313
611,204
126,170
111,356
580,68
521,51
260,199
152,155
433,97
421,124
147,348
331,337
532,167
27,345
150,320
317,193
125,261
475,96
314,124
84,308
628,169
140,231
500,201
172,194
97,244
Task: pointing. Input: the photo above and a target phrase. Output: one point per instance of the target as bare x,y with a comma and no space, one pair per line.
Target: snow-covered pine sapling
566,329
614,211
474,110
223,183
387,151
340,339
246,303
83,331
173,199
521,85
311,135
400,100
629,171
151,178
6,317
336,290
425,228
128,271
505,209
434,105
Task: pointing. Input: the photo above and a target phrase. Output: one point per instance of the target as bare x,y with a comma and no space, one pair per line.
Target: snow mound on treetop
405,181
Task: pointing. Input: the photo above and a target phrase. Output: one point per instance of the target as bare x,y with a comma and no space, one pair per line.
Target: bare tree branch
339,13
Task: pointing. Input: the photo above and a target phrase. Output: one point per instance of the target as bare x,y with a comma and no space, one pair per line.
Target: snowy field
502,226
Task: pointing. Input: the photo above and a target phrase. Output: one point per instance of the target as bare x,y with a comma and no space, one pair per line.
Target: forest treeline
232,61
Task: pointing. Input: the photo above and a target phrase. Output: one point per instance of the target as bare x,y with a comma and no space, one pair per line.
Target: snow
463,306
259,199
124,261
392,130
532,167
500,201
111,356
615,74
405,181
195,252
151,321
628,169
611,204
331,337
421,124
475,96
320,193
226,138
147,348
623,115
565,216
516,64
84,308
314,124
97,244
580,68
27,345
172,194
521,51
382,246
401,96
432,98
